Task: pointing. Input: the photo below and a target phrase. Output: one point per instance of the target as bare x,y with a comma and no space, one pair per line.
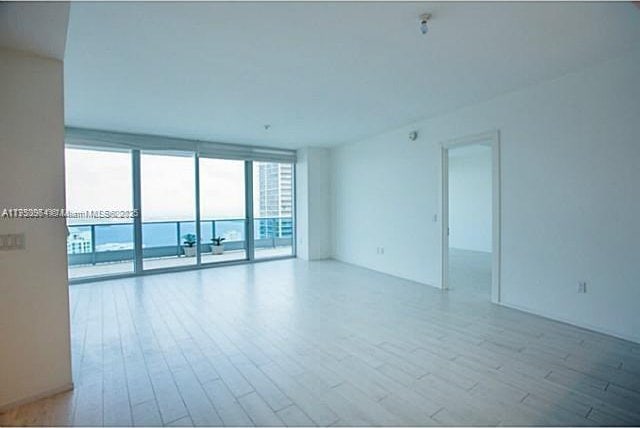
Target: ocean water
120,236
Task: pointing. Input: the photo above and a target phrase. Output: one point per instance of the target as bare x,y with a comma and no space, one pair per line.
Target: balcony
96,250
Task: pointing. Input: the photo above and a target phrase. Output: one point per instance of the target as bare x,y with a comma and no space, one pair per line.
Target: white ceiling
36,27
318,73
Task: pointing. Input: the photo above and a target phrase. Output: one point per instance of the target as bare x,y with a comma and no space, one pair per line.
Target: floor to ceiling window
99,196
273,204
223,217
193,210
167,205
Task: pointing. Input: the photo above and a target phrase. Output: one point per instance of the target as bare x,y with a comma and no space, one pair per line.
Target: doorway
471,215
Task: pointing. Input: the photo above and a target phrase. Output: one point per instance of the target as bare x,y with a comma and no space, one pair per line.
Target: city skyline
101,180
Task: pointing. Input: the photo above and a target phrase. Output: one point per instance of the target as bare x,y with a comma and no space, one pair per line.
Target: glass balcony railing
112,243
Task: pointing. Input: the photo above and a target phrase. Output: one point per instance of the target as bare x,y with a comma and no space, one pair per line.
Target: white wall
302,204
313,215
570,158
34,300
470,198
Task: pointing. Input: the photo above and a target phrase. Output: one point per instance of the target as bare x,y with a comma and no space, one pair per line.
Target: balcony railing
90,244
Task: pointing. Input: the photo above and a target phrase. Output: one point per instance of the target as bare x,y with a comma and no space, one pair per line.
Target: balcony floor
111,268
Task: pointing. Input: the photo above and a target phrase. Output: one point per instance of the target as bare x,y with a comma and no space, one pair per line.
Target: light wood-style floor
325,343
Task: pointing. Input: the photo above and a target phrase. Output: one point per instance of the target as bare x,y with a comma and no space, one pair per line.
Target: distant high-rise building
79,243
275,200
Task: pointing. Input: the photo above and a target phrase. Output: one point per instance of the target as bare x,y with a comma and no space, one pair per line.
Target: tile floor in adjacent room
470,273
325,343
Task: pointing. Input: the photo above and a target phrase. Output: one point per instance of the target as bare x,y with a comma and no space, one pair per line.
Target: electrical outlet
582,287
381,250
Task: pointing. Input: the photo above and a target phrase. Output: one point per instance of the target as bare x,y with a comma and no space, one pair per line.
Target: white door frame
492,139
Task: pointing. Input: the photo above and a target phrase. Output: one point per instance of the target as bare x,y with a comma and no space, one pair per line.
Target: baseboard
318,258
394,275
36,397
517,307
572,323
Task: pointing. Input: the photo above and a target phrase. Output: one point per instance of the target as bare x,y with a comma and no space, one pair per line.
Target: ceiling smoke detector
424,18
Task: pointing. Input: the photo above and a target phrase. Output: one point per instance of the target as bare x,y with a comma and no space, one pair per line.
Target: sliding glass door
167,203
191,211
99,201
273,209
222,210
